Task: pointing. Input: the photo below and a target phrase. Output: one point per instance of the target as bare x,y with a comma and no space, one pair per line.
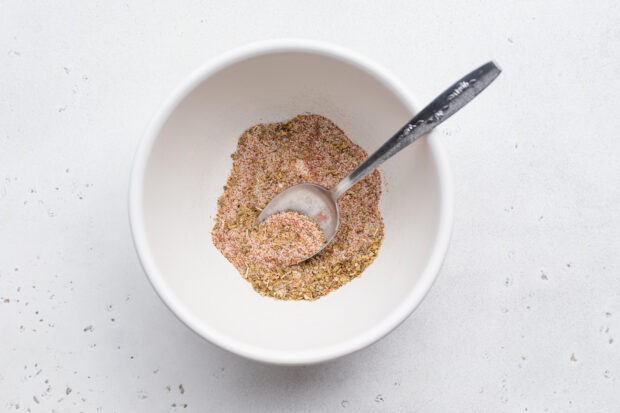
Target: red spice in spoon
285,239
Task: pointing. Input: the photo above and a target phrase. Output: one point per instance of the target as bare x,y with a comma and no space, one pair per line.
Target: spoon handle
440,109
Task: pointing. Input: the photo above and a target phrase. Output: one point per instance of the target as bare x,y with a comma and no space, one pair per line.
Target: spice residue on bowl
285,239
272,157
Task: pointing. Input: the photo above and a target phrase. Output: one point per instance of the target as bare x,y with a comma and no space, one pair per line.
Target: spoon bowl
312,200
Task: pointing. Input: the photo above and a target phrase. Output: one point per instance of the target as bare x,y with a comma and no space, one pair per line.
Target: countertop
525,314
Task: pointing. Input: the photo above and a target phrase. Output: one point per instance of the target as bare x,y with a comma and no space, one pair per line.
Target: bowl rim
320,354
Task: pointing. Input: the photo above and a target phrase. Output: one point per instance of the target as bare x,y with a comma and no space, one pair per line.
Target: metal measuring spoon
321,204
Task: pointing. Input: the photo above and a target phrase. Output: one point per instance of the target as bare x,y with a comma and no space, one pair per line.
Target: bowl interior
190,161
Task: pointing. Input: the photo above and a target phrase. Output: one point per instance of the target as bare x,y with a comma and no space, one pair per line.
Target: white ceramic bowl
184,160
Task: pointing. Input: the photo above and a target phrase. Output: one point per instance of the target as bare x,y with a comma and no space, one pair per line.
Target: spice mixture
285,239
272,157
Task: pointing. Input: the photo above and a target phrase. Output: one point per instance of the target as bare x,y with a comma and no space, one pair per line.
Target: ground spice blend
285,239
272,157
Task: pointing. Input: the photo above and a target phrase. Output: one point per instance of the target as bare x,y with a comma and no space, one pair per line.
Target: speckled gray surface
525,315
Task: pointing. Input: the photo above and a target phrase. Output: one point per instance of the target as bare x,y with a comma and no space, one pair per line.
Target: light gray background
524,313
